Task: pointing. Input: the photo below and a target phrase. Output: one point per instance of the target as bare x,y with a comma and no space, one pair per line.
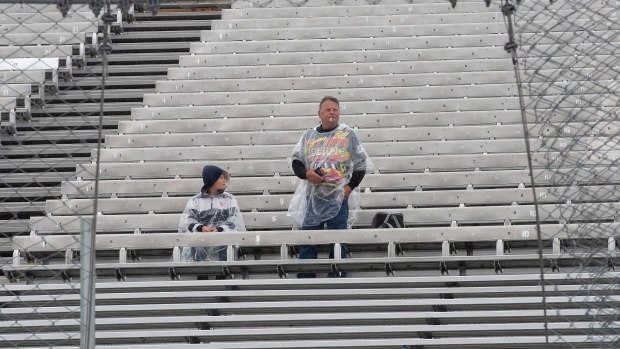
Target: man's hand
313,177
206,229
347,191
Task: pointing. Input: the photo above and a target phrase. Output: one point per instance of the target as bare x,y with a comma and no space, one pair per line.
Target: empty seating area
37,46
432,94
434,312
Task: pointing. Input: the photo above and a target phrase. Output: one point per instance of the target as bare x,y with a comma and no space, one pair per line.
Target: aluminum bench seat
521,214
14,226
77,52
47,76
397,198
347,44
22,77
247,4
391,31
421,287
377,68
92,108
350,11
368,135
459,120
330,57
53,66
277,43
377,56
351,94
73,27
401,19
387,31
357,81
292,306
394,20
45,150
400,164
36,51
287,184
22,95
14,208
350,108
517,342
340,69
378,134
273,335
8,116
59,135
56,38
21,167
25,92
366,81
374,149
53,16
38,13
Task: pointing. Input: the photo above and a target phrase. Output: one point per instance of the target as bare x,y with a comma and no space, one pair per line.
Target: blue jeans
339,221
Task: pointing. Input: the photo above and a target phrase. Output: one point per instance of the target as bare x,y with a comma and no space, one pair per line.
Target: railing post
87,285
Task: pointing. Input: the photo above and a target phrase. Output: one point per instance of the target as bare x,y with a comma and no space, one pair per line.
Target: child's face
221,183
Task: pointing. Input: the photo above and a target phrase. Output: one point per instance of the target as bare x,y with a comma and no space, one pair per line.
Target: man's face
329,114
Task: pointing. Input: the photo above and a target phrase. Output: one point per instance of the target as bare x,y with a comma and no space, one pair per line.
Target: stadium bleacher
430,91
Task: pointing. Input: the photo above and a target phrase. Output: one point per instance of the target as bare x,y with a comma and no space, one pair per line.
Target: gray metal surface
347,44
386,93
355,107
288,184
339,69
328,57
489,215
403,19
350,11
402,199
282,151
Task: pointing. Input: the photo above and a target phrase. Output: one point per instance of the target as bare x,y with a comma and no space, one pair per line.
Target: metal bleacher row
436,312
439,115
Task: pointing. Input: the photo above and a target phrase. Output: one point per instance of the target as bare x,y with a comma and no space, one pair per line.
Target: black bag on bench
388,220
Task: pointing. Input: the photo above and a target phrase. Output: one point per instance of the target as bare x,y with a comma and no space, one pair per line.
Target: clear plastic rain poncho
214,211
338,153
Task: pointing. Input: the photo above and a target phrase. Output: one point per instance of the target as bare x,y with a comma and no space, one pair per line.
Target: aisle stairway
45,151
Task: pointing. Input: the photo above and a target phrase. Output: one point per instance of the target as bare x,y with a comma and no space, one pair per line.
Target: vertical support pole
445,249
69,256
557,247
611,244
337,250
499,247
87,285
176,254
16,257
391,249
284,252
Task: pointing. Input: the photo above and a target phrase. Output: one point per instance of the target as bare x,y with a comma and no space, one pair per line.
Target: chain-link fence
71,72
569,73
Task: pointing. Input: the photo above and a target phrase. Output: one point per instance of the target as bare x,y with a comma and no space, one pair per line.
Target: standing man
333,162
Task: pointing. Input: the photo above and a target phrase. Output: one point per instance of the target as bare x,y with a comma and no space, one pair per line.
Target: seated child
210,211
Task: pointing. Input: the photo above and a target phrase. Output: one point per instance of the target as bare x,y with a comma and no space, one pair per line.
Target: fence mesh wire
53,92
568,51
